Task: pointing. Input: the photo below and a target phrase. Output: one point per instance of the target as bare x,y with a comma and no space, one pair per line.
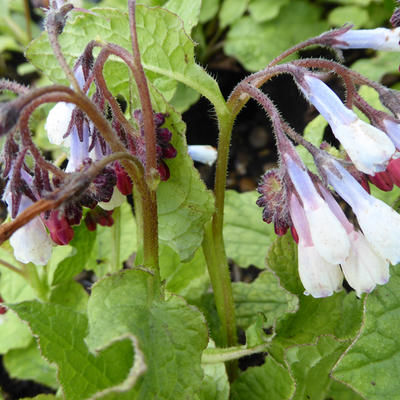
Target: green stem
28,19
37,283
116,238
217,355
221,283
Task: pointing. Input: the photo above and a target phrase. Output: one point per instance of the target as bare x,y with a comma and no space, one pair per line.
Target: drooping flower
328,235
319,277
368,147
377,39
379,222
31,243
364,268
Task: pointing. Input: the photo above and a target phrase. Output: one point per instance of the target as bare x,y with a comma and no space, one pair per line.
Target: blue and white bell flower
369,148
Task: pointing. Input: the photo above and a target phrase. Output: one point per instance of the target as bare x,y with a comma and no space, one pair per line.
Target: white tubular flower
203,153
377,39
57,122
379,222
369,148
327,233
31,243
364,268
319,277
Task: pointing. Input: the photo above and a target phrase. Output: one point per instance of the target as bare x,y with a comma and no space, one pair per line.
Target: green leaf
340,391
261,10
256,44
282,259
167,53
372,363
184,98
82,244
188,279
263,296
311,366
339,315
14,334
41,397
171,335
189,11
247,236
215,385
101,259
231,10
209,9
28,364
348,14
70,294
184,203
270,381
61,332
375,68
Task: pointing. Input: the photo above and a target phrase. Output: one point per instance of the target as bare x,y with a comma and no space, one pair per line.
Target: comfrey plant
149,326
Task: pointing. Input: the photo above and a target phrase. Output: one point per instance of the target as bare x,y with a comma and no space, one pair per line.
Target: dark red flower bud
382,181
59,228
393,169
124,183
169,151
163,170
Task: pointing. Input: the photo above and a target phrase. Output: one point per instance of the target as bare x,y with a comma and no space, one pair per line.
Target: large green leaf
256,44
61,332
184,203
82,244
372,363
171,335
311,366
263,296
14,333
188,279
270,381
339,315
28,364
247,236
188,11
167,52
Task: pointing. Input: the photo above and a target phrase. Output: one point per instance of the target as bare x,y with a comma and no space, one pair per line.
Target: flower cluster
330,247
68,125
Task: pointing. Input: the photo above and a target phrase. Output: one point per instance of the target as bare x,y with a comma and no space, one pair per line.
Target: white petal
58,121
319,278
369,148
327,233
364,268
378,39
116,200
204,154
381,227
31,243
